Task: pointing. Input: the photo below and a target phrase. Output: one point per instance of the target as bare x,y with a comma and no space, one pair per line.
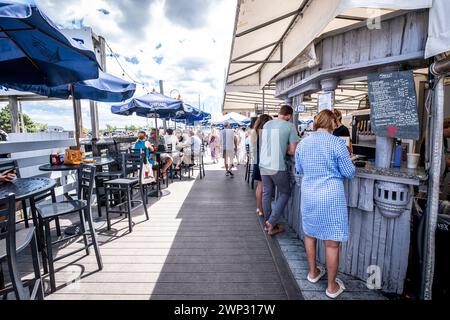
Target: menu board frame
393,104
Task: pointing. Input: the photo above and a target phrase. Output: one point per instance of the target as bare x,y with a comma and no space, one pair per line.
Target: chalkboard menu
393,105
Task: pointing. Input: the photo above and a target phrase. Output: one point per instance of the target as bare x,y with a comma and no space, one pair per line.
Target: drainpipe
438,69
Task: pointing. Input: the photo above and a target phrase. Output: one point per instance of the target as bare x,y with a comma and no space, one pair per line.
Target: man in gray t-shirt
279,140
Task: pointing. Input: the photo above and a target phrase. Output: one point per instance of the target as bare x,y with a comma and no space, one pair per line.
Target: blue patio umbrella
107,88
234,123
34,51
152,105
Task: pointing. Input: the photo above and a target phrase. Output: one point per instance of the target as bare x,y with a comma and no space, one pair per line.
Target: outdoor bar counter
380,203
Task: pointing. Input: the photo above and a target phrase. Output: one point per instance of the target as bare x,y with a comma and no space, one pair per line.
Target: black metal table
96,161
25,188
99,162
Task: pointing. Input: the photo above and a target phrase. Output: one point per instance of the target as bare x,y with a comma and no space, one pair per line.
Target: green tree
31,126
131,128
110,128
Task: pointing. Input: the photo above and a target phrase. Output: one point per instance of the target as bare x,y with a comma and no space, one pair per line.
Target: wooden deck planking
203,241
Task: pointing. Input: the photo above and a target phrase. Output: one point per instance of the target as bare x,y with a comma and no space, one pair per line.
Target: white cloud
195,38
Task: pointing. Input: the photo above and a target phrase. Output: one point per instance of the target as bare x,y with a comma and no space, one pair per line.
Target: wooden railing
31,150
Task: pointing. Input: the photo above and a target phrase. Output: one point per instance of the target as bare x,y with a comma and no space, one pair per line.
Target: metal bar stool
13,242
50,212
126,186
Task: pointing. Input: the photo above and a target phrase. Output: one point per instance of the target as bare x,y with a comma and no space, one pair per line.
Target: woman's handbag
147,176
73,157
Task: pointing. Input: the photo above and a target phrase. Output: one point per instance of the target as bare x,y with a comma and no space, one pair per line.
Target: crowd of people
322,159
176,148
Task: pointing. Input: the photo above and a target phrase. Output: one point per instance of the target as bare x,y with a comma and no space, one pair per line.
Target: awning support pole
433,189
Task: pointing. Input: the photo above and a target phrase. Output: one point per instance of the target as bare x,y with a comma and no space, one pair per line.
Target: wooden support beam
14,109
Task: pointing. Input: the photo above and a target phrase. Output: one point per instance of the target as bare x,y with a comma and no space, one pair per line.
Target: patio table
99,163
26,188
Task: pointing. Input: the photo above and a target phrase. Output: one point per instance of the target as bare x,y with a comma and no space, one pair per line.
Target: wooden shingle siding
358,49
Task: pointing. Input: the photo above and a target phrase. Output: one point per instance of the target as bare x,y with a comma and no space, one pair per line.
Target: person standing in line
255,150
229,148
279,139
341,130
324,162
241,147
214,144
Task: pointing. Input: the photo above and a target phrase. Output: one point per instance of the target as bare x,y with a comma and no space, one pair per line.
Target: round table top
99,161
24,188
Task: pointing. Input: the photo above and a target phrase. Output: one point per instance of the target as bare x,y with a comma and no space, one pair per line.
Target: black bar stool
126,186
50,212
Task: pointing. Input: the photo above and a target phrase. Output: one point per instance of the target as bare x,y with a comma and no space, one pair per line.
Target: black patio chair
198,162
49,212
13,242
115,171
125,186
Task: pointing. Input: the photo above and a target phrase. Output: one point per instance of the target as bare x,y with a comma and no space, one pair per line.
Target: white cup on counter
413,160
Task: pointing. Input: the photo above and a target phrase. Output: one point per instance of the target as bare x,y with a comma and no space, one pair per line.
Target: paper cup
413,160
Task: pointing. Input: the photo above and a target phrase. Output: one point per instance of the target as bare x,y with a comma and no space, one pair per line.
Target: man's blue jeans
280,180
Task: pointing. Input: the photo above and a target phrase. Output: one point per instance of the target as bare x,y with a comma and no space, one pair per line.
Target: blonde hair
325,120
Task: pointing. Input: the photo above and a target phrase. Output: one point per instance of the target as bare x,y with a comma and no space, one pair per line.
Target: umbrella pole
76,117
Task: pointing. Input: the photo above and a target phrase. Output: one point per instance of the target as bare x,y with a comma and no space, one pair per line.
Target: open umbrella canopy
194,118
152,105
107,88
34,51
232,122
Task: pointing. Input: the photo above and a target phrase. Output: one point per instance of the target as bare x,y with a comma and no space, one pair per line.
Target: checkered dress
324,162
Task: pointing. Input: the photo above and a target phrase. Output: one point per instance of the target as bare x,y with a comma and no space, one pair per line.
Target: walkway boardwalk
203,241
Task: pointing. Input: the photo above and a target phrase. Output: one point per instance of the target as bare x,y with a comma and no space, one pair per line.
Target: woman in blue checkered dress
324,162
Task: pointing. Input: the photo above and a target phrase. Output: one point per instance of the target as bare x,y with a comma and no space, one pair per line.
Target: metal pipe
441,67
433,190
263,100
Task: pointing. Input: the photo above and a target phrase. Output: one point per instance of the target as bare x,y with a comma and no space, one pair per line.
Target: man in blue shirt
279,139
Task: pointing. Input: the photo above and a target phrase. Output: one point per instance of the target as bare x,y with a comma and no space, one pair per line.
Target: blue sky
185,43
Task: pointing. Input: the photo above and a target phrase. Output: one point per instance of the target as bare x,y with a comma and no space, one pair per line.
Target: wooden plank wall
354,47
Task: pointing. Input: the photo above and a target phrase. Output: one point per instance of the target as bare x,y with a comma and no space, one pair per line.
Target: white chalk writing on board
394,105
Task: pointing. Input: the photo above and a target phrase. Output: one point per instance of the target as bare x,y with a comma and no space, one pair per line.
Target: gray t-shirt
276,136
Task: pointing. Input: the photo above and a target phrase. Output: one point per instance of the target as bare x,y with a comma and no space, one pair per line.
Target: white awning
269,34
251,101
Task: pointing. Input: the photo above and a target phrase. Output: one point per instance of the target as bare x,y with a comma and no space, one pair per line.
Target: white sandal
322,272
339,292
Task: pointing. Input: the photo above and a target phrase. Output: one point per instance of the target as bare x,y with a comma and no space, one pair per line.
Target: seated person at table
196,143
186,145
143,144
171,142
7,176
157,141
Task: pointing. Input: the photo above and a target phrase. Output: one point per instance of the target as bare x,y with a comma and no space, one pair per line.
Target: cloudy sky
186,43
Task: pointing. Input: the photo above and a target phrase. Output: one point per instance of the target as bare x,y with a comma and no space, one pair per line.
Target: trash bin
441,283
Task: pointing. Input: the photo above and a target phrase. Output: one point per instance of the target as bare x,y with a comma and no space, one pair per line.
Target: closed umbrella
34,51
